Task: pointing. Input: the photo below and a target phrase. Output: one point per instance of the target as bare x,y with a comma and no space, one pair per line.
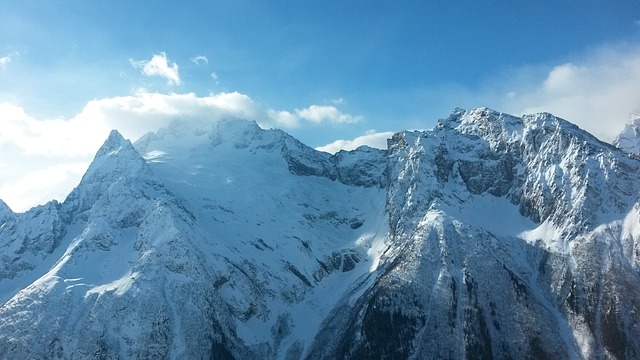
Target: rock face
491,236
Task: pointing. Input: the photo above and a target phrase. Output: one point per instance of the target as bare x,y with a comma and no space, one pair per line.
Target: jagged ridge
465,276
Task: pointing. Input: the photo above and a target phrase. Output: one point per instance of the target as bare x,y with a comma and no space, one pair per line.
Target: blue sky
323,71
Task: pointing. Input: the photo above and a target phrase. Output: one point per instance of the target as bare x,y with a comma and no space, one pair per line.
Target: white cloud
50,136
5,60
200,59
144,111
321,113
138,114
214,76
339,101
283,118
24,192
44,159
597,92
371,138
159,66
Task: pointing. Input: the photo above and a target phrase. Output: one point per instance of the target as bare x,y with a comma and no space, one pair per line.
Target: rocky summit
489,237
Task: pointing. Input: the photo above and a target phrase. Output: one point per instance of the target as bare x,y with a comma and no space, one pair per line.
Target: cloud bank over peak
27,143
143,112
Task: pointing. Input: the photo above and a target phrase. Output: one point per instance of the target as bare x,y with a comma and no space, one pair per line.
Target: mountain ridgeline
490,236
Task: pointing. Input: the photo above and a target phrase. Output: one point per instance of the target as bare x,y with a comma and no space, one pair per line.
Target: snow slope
491,236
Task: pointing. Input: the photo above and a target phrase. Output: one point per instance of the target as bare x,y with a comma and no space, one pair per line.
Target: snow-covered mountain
491,236
629,139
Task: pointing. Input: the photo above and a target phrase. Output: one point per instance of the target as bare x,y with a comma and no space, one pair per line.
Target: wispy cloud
315,114
200,59
5,60
371,138
597,92
326,113
283,119
339,101
159,66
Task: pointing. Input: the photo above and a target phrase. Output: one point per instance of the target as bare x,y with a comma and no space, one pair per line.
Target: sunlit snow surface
250,208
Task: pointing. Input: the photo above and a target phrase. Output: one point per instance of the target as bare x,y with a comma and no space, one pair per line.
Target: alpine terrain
490,236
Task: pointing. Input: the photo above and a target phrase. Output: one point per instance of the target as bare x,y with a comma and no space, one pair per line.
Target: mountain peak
484,122
5,211
115,148
183,135
115,160
115,134
4,207
114,142
629,139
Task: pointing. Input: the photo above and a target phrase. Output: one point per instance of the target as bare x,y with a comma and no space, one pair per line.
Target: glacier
490,236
